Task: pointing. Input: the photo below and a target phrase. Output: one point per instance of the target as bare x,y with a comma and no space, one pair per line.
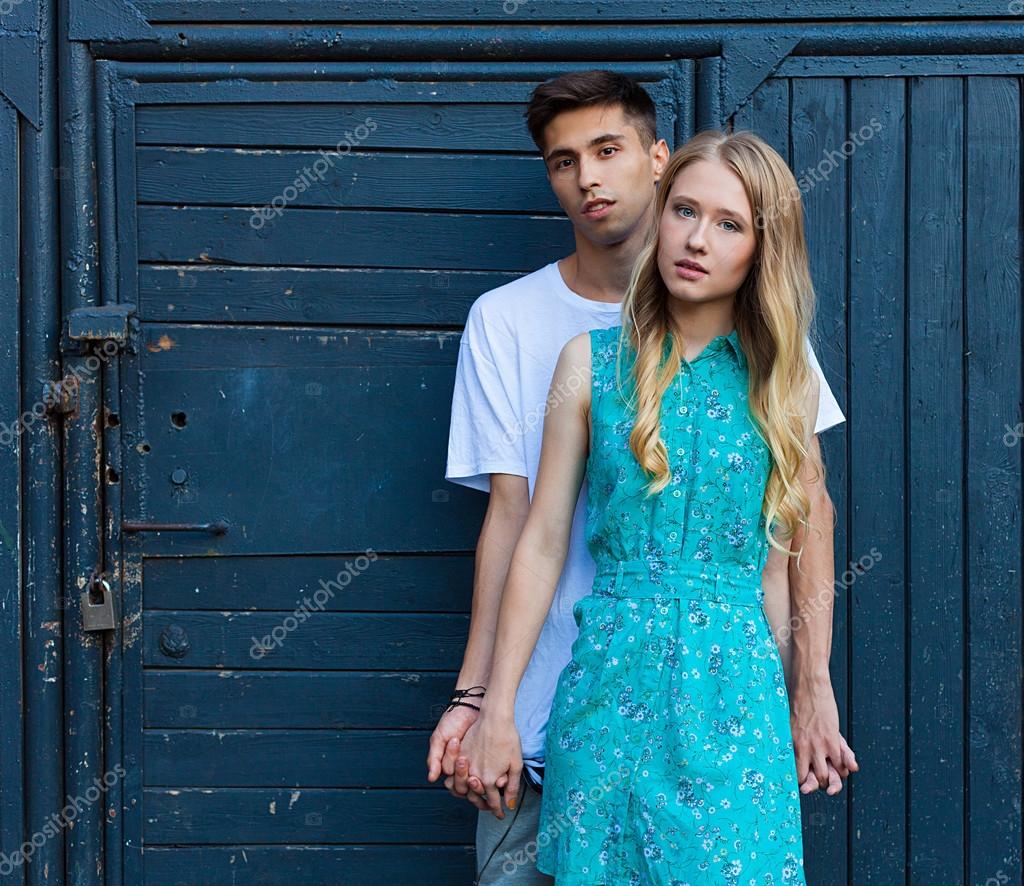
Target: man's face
706,240
602,175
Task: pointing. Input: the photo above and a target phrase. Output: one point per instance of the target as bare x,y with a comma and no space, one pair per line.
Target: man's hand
823,758
495,759
835,781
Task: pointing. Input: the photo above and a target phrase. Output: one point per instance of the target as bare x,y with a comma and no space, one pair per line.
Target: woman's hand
495,759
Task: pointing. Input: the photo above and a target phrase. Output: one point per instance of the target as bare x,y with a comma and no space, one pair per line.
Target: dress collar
718,343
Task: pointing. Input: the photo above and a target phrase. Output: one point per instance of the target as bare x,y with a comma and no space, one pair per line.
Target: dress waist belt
636,579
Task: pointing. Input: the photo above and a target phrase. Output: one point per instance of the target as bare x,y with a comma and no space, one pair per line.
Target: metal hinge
96,333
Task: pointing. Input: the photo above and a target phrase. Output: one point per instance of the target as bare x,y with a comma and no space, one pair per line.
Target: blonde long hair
773,310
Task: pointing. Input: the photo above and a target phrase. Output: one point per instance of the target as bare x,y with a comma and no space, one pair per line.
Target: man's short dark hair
585,88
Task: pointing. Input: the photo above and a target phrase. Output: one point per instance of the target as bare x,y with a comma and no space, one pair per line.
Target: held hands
443,755
823,758
495,760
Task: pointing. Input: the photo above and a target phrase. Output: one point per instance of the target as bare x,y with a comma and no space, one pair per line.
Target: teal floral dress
669,757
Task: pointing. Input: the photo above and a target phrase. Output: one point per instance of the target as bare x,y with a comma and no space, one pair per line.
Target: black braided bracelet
462,693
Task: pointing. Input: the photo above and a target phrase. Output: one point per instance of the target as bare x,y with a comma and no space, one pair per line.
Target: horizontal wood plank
308,637
395,584
306,758
258,815
351,238
295,699
309,865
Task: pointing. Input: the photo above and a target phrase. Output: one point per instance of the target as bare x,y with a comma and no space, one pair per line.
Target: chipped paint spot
164,343
295,796
273,807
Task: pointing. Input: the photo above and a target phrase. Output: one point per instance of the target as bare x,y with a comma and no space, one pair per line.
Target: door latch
98,605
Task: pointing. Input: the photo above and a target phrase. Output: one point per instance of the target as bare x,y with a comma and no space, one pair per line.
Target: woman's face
706,235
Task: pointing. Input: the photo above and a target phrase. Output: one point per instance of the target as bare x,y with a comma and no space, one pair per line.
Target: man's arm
503,524
814,716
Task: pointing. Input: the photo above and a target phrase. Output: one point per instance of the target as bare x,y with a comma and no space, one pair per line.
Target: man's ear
659,157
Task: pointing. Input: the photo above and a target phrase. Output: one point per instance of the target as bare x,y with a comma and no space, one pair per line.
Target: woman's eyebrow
722,210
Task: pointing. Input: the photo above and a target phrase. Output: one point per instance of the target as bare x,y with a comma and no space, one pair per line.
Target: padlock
98,615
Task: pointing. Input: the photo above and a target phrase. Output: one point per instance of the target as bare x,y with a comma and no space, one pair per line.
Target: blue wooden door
302,255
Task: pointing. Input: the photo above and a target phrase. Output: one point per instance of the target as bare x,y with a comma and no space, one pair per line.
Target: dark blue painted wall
288,374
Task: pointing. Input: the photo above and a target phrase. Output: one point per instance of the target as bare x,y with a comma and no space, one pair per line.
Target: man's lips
597,208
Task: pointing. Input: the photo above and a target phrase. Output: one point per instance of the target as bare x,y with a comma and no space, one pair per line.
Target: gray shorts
515,861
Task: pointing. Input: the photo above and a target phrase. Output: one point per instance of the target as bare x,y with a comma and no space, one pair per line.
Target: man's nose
589,175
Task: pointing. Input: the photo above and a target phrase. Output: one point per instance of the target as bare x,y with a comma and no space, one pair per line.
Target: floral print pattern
669,757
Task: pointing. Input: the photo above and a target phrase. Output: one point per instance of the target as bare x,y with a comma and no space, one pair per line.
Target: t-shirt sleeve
485,436
829,413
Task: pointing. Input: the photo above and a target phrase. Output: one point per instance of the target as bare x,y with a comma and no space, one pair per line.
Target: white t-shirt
507,358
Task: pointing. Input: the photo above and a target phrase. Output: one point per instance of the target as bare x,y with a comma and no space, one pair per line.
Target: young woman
669,753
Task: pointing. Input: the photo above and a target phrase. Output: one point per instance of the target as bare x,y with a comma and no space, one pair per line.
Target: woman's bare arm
492,743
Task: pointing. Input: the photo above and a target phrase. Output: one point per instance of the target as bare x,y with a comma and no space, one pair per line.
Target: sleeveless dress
669,756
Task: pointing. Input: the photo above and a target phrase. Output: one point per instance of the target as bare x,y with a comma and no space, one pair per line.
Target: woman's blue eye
732,225
683,209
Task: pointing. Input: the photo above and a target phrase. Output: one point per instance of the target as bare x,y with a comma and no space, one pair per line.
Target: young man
597,133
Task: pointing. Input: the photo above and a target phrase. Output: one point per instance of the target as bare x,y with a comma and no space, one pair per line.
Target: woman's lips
689,271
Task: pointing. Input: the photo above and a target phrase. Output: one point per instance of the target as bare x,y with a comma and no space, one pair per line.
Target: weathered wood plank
268,815
301,758
307,637
400,297
307,237
817,132
310,865
936,632
993,402
395,584
356,180
296,699
878,471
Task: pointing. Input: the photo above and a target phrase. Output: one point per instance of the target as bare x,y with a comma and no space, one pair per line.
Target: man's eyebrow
599,139
722,210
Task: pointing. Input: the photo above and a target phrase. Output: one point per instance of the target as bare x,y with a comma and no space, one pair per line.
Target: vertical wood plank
818,133
993,401
878,474
935,473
